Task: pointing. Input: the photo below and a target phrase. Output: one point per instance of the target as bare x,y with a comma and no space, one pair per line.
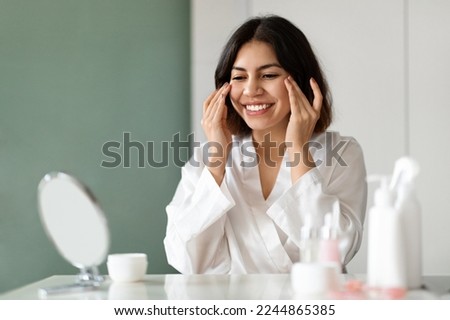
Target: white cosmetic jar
127,267
315,280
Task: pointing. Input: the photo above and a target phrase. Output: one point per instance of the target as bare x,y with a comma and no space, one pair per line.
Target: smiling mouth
257,107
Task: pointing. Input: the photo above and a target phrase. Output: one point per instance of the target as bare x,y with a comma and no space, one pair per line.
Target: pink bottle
329,241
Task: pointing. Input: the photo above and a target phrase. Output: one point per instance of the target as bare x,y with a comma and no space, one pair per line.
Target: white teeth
257,107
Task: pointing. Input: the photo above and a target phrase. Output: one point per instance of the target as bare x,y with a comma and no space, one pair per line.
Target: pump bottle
386,263
408,207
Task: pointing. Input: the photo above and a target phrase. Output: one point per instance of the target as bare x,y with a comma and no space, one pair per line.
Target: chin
257,126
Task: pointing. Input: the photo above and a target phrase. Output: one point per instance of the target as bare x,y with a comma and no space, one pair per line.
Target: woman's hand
217,133
301,126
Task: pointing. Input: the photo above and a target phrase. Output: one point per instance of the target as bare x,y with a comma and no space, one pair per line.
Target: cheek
280,91
235,94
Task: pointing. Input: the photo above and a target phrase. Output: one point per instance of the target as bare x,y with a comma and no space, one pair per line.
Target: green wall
75,74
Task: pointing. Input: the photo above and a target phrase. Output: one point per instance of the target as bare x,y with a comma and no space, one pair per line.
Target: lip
257,108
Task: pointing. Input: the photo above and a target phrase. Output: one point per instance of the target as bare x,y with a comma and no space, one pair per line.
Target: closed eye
270,76
237,78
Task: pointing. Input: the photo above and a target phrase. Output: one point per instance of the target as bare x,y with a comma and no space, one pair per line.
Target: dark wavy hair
293,52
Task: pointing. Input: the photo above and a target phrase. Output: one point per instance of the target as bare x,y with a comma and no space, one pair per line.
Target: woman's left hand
301,126
304,116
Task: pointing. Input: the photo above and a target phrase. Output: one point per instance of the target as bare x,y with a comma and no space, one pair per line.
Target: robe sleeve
195,241
316,192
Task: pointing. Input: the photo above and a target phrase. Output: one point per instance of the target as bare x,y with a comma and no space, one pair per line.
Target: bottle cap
309,228
406,170
384,195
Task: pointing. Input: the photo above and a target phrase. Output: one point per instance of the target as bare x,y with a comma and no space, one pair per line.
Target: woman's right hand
214,123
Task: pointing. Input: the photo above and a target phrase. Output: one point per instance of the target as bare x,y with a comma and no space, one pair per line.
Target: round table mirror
75,223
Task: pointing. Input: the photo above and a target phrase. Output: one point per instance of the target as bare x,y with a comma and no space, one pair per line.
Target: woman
268,162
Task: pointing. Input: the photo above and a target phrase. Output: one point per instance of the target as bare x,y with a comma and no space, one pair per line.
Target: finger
208,106
306,107
208,100
293,99
318,98
298,100
222,91
220,110
303,97
213,97
217,117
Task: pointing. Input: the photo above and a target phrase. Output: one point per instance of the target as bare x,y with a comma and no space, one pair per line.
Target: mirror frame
89,277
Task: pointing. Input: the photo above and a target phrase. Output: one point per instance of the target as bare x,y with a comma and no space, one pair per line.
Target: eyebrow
266,66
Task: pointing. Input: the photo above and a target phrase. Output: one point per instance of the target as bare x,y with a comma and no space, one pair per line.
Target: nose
252,88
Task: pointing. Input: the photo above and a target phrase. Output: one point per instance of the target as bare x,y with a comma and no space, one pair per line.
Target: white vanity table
171,286
203,287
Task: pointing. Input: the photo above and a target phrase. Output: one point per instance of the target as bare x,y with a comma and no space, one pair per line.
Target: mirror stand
88,279
90,275
69,212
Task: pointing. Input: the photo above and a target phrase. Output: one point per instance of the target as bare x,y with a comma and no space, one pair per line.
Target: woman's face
258,92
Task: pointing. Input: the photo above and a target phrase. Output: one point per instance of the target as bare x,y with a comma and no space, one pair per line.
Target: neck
269,138
269,144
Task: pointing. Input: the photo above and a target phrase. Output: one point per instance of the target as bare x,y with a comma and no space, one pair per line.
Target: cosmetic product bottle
408,206
309,240
329,239
385,256
310,277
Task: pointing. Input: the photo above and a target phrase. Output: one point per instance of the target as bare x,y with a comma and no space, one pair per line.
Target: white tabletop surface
206,287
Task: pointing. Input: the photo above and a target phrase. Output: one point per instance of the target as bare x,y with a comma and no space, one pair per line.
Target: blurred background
74,75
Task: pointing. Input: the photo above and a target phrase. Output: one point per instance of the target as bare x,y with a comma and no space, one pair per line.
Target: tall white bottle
385,256
408,206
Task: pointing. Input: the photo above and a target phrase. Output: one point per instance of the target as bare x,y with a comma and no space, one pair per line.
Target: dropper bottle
329,240
309,240
310,277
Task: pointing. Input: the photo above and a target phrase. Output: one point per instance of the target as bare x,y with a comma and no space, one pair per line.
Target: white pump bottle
386,263
408,207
